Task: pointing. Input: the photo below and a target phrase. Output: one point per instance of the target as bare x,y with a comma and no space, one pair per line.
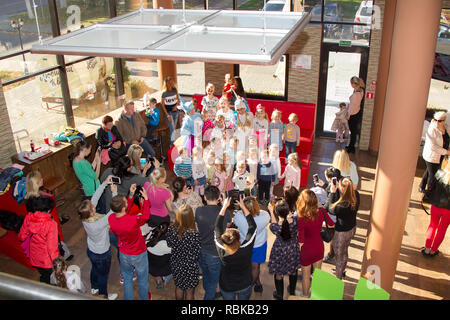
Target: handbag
326,233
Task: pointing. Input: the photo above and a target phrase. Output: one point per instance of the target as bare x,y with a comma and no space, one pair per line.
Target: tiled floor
416,277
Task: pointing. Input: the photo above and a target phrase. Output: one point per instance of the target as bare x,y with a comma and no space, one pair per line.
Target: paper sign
301,61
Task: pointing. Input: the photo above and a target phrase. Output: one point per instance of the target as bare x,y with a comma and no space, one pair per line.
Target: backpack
19,191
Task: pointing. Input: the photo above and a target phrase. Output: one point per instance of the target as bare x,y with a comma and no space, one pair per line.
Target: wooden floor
416,276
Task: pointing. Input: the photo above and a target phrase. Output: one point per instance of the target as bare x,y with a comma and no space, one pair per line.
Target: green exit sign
345,43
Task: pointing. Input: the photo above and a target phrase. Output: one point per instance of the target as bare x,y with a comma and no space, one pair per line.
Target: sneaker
276,296
329,259
112,296
159,283
217,296
134,276
149,295
333,271
121,279
94,292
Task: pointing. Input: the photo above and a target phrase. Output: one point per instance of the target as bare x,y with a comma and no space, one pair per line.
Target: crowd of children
239,150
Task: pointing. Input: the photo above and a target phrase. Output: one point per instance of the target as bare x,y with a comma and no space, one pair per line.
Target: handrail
17,288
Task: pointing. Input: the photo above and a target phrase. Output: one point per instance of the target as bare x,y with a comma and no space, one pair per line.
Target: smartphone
115,180
143,161
334,179
316,178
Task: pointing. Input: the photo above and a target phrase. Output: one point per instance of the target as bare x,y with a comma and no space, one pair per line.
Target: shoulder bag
326,233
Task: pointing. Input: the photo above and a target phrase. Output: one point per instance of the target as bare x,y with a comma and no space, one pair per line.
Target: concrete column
7,144
383,73
165,67
413,44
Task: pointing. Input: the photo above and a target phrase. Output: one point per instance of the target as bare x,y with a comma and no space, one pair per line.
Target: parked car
276,5
332,13
363,15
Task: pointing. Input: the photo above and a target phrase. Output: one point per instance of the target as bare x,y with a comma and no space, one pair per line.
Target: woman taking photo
285,253
86,172
353,111
347,168
135,154
236,274
345,209
259,252
159,196
310,220
440,211
435,148
184,239
183,194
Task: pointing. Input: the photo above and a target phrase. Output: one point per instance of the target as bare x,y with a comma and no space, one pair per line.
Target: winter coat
44,240
129,132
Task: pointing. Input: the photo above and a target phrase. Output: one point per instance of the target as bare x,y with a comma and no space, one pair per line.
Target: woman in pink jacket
43,230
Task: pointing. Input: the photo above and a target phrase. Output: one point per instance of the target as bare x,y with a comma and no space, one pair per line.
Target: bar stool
158,132
50,184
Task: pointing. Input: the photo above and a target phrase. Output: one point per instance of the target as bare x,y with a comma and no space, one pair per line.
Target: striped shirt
183,167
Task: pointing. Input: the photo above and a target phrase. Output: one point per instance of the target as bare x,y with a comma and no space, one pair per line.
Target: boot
292,284
279,286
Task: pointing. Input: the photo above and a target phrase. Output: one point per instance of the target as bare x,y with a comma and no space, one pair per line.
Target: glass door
338,65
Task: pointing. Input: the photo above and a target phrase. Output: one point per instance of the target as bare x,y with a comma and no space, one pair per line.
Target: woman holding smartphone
345,208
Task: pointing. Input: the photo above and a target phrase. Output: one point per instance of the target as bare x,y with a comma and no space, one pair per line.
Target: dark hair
107,119
121,167
178,186
117,203
282,209
333,172
41,204
83,144
84,209
212,193
153,100
239,88
291,195
137,196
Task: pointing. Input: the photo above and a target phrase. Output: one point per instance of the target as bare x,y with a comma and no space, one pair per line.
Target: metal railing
17,288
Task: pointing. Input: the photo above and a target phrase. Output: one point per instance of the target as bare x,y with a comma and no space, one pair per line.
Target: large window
264,81
75,14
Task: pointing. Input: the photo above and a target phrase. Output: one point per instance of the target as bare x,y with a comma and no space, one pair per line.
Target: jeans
114,241
289,148
147,148
243,294
129,263
353,126
150,130
211,267
101,264
173,124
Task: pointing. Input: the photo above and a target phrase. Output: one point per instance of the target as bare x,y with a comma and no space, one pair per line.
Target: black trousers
45,274
428,175
264,190
353,126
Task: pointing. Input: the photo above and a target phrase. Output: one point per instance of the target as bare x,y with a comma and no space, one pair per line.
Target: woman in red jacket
44,236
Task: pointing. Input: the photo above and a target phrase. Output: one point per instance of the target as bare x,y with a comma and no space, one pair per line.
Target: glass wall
18,24
125,6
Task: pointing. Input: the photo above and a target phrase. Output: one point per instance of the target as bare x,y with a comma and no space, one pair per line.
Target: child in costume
192,126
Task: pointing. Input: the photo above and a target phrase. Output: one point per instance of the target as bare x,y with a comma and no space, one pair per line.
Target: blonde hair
341,161
135,153
294,157
166,82
156,176
259,106
184,220
293,117
307,205
196,151
358,82
32,184
274,114
348,195
253,150
208,86
240,164
445,167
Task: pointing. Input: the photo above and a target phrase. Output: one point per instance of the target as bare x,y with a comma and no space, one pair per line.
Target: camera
316,178
115,180
234,195
334,180
274,200
188,183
